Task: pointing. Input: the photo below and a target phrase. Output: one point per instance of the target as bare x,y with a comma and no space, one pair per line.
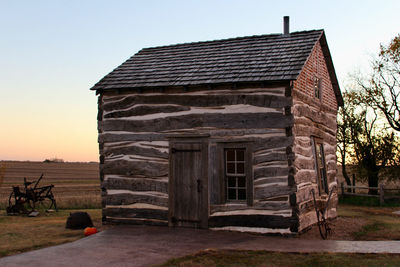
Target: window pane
230,155
230,168
231,182
241,181
323,181
320,162
232,194
319,156
240,155
317,86
321,168
235,171
321,150
242,194
240,167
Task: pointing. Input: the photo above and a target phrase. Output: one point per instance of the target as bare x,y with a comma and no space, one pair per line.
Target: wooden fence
348,190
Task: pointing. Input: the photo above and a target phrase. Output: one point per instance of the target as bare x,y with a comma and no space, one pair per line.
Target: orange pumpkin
90,231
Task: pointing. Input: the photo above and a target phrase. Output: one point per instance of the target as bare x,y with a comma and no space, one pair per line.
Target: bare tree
363,142
343,136
382,89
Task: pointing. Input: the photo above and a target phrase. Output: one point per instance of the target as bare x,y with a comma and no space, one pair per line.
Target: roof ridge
229,39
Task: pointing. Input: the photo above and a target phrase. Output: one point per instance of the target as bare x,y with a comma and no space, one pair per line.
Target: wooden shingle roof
261,58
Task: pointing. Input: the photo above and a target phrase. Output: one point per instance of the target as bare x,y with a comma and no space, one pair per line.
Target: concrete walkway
149,245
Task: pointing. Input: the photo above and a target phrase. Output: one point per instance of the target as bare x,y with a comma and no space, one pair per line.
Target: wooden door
188,196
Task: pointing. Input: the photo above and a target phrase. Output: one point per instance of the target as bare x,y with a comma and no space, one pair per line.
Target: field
77,185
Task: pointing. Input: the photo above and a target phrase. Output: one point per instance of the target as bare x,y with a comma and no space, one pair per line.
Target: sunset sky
52,52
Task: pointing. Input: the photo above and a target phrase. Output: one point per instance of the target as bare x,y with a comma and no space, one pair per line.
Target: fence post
342,186
381,195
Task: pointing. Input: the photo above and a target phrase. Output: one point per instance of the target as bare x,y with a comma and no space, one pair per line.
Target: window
235,175
320,166
317,87
234,181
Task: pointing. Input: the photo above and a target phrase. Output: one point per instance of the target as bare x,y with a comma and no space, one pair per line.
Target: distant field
77,185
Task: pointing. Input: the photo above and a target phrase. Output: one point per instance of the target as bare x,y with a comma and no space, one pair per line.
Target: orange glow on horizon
36,135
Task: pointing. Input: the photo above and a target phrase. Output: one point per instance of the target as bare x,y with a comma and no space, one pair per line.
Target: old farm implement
321,210
31,197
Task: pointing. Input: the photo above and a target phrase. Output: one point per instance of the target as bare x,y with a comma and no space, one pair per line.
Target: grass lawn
22,233
212,258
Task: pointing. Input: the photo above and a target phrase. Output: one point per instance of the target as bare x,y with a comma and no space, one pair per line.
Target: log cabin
228,135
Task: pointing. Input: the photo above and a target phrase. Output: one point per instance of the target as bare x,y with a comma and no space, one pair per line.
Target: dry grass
2,172
87,201
77,185
53,171
381,223
361,223
21,233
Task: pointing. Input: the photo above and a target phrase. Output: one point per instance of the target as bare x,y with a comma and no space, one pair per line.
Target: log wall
133,137
279,124
313,117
